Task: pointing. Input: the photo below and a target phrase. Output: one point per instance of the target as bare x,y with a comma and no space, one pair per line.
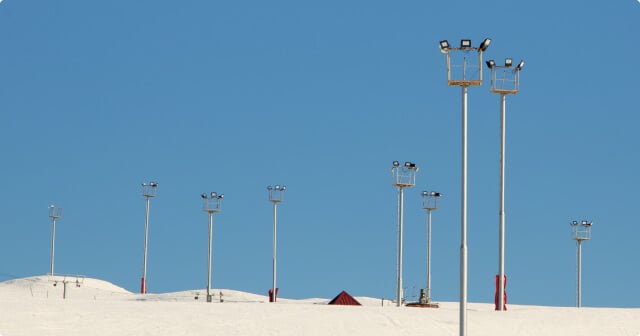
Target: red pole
143,286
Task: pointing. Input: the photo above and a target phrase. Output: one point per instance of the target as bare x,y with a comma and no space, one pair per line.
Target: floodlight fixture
203,195
444,46
465,44
396,163
491,64
520,65
485,44
508,62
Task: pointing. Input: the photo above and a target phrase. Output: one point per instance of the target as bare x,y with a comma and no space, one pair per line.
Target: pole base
423,305
143,286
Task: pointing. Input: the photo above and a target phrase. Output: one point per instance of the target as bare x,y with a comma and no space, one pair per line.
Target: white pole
209,297
463,217
143,285
53,242
400,215
273,288
579,286
428,255
503,115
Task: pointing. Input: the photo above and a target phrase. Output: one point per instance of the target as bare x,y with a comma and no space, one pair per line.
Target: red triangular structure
344,299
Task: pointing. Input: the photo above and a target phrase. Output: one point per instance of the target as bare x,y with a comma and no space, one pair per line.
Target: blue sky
200,96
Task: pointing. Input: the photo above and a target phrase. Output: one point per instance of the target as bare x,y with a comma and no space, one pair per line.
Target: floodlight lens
508,62
465,43
407,164
214,195
277,187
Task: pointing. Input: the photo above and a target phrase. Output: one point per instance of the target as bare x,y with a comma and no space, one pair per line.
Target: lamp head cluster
465,44
404,175
276,192
508,63
149,189
583,223
430,200
213,195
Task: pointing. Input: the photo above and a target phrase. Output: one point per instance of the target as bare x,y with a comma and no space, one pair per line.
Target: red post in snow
497,291
143,286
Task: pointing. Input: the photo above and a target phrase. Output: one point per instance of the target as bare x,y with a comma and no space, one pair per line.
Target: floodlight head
277,187
520,65
444,46
508,62
407,164
52,206
574,223
396,163
425,193
465,44
221,196
485,44
283,188
435,194
144,184
214,194
491,64
153,184
269,188
204,196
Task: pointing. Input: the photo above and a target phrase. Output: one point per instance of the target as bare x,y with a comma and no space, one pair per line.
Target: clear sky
97,97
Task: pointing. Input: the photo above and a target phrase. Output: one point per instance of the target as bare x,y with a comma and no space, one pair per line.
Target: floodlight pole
429,203
275,196
211,205
580,232
149,192
403,176
464,83
506,84
54,214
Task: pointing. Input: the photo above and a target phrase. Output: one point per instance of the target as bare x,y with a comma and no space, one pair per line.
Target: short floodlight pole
580,231
504,80
211,205
403,177
149,192
429,203
464,81
54,214
276,195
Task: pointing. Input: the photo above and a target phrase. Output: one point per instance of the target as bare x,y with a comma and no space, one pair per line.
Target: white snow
34,306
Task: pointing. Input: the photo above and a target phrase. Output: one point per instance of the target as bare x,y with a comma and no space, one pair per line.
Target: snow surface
35,306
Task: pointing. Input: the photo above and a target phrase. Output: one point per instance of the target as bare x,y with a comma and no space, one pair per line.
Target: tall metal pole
209,296
53,242
579,285
273,287
143,282
503,127
463,220
400,224
428,255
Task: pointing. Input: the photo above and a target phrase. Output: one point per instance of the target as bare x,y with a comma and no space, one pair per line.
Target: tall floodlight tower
403,177
505,80
464,74
429,203
54,214
275,196
149,192
580,232
211,205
